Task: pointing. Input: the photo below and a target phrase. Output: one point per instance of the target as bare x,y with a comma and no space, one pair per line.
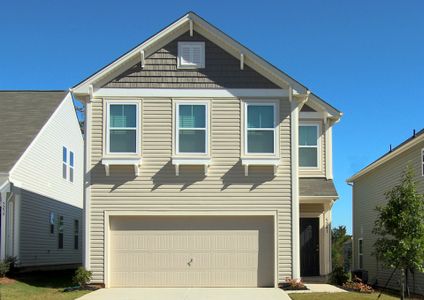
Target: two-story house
206,166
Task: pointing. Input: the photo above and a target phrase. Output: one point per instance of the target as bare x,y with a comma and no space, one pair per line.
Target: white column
294,117
87,163
16,223
3,196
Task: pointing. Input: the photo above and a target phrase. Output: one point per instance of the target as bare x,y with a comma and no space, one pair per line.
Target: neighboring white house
206,166
41,179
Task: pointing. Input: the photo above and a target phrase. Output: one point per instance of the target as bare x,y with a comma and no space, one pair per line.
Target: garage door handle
190,262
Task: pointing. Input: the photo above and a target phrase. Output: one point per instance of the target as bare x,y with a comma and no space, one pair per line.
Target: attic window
191,55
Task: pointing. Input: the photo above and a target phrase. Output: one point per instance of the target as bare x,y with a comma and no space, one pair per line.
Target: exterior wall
39,170
222,70
37,246
224,188
368,192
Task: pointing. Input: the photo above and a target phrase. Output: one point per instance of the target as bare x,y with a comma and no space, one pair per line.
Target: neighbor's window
191,55
71,166
64,162
308,145
192,128
260,128
123,128
60,232
360,253
76,234
51,221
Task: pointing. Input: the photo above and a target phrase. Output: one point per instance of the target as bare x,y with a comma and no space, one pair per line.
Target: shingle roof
22,115
317,187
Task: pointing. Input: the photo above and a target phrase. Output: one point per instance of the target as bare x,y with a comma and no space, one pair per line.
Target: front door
309,246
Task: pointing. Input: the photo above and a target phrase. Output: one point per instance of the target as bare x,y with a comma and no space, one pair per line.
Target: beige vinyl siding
368,192
37,245
158,188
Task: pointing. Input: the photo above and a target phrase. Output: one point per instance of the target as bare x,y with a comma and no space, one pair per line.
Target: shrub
4,268
12,260
338,276
358,286
82,277
292,284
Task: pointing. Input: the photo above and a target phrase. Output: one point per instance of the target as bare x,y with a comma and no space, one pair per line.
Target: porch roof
317,187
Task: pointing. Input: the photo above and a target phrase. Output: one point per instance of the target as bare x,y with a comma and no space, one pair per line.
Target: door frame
318,215
108,214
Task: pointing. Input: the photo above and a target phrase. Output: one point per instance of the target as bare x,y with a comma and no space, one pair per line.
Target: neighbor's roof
317,187
22,115
182,25
405,145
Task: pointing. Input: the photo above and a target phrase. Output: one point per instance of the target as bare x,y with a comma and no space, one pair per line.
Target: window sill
179,161
246,162
122,161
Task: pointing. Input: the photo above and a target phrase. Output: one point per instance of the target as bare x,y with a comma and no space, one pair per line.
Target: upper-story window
123,128
192,128
64,162
360,253
260,128
309,145
67,163
191,55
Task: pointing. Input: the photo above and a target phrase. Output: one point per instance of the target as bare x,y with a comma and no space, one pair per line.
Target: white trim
182,213
318,146
106,150
386,158
4,189
204,103
361,254
189,93
200,45
274,129
87,184
328,148
422,162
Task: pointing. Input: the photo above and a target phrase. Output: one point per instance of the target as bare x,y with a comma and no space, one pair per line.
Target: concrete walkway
320,288
187,294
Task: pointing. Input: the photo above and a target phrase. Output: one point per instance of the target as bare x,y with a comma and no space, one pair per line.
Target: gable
222,70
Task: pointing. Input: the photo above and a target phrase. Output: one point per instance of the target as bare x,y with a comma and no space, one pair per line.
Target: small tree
339,237
400,227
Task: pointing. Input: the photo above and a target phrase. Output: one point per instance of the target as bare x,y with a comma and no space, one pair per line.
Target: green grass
340,296
40,286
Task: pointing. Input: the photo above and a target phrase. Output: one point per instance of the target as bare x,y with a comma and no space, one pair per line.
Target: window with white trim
123,128
360,253
422,162
68,161
192,128
260,128
308,145
64,162
191,55
71,166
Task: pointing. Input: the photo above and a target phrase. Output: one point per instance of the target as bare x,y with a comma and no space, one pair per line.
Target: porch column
327,238
3,196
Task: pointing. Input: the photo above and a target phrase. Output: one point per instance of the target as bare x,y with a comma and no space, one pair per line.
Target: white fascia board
386,158
190,93
260,161
191,161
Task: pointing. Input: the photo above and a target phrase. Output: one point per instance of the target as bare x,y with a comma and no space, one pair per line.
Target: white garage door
207,251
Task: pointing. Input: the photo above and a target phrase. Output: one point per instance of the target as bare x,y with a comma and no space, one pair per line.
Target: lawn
340,296
40,286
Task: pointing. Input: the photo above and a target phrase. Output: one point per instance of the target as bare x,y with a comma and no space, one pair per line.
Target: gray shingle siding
222,70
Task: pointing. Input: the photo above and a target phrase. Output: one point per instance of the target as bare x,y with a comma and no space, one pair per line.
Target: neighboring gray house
206,166
41,179
368,188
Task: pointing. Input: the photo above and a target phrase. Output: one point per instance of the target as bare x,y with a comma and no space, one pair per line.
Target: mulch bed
5,280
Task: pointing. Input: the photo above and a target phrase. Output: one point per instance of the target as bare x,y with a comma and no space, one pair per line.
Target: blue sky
364,57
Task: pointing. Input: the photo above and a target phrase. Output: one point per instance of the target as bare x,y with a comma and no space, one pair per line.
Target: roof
22,115
405,145
317,187
198,24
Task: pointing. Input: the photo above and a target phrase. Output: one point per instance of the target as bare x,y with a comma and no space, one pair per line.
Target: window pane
64,167
260,116
192,116
71,174
71,158
360,246
123,115
308,135
192,141
308,157
123,141
259,141
64,154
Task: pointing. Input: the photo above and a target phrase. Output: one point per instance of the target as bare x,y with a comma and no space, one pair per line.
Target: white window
309,145
123,128
360,253
64,162
260,128
71,166
192,128
422,162
68,163
191,55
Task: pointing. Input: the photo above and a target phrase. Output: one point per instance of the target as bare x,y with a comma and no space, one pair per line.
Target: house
368,188
206,166
41,179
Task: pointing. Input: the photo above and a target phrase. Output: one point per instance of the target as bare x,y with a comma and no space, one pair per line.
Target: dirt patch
5,280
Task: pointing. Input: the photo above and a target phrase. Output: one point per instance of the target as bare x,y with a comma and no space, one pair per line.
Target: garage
191,251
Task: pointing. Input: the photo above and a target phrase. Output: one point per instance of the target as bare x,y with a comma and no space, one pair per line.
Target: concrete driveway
187,294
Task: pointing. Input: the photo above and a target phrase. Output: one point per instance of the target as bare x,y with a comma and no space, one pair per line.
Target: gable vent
191,55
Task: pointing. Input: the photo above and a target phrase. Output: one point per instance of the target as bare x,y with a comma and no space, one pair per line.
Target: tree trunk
407,283
402,284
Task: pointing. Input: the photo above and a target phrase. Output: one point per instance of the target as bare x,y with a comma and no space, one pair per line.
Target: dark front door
309,246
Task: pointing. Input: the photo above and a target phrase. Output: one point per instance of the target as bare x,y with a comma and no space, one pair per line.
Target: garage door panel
215,252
